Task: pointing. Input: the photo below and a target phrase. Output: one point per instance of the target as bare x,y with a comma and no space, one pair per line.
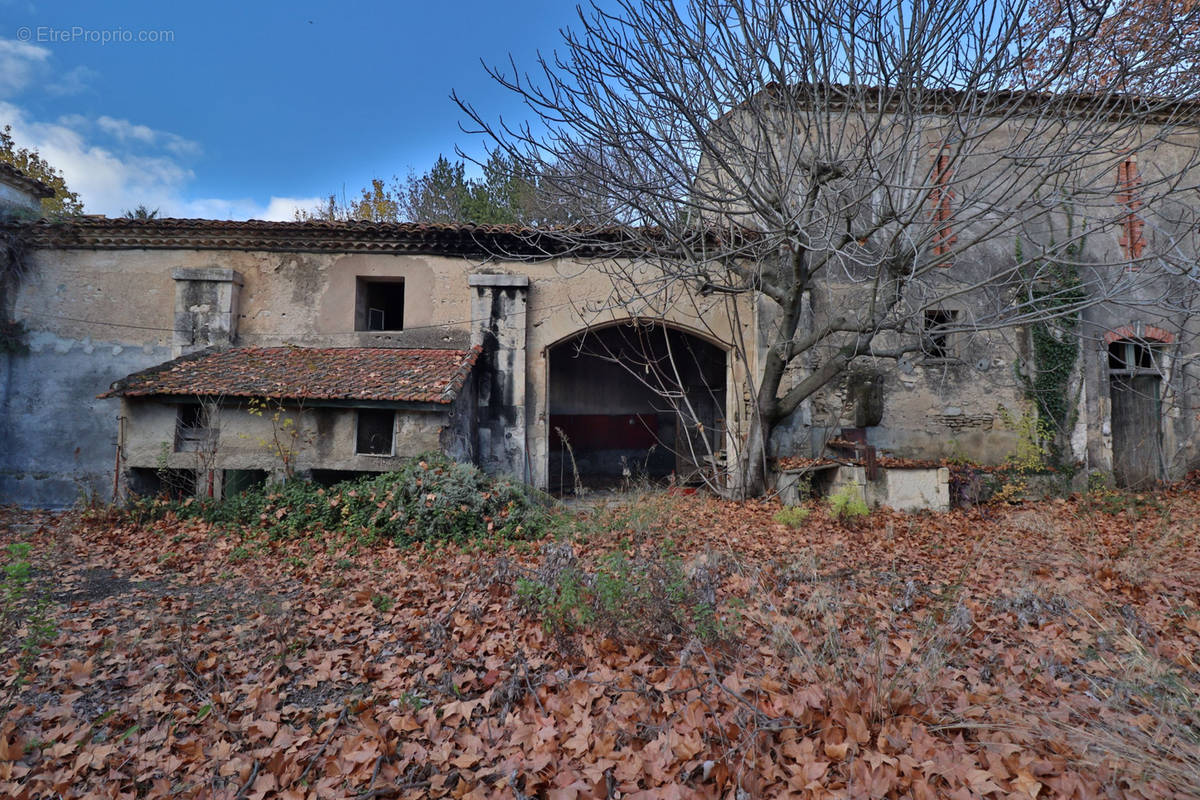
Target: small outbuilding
217,420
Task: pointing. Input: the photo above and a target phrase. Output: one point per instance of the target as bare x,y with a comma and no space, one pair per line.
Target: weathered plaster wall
95,316
98,315
91,317
18,201
57,441
325,439
499,307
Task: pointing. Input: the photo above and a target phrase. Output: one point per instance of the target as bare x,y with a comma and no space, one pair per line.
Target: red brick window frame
1149,332
1132,240
941,198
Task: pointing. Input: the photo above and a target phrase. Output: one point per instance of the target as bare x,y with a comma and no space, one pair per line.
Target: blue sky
240,110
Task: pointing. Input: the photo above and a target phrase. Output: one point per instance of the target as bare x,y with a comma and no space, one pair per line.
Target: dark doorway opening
633,401
172,484
1135,385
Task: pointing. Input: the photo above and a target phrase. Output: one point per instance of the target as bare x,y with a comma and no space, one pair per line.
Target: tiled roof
355,236
308,373
313,236
12,175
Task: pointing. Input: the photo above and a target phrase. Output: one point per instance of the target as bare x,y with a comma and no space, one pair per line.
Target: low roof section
351,376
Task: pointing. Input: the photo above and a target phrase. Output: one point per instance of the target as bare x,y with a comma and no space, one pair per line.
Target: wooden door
1136,431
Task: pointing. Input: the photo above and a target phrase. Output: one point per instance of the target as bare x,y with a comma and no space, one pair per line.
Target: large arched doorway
632,400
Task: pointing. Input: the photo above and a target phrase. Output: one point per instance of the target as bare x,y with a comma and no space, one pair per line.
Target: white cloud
115,164
20,63
127,132
72,81
106,179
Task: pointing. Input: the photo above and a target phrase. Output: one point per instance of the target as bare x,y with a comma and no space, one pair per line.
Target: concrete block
912,489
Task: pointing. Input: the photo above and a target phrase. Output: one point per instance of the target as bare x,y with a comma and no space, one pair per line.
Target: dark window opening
380,305
192,431
375,430
936,338
1132,355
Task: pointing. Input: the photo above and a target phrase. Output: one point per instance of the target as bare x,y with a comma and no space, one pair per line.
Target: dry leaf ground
1044,650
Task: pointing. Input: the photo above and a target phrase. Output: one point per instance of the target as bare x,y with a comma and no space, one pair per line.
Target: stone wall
324,438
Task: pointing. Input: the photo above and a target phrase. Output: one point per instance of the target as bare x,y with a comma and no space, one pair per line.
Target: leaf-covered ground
1045,650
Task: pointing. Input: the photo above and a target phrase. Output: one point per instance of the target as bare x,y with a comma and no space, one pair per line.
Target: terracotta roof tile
354,236
309,373
12,175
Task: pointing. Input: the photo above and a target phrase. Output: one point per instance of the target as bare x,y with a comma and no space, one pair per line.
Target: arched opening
632,400
1135,387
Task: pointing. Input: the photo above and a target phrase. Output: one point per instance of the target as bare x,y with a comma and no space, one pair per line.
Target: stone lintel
499,281
208,274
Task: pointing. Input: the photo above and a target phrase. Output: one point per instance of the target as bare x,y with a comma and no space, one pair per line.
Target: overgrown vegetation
64,202
647,597
431,498
792,516
25,622
847,504
1056,294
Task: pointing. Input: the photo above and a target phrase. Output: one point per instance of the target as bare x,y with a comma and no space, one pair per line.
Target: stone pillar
206,308
498,305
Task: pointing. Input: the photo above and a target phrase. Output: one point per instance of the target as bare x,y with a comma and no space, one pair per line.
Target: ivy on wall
12,268
1056,294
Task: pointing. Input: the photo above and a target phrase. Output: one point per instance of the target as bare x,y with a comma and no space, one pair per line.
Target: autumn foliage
1040,650
1144,47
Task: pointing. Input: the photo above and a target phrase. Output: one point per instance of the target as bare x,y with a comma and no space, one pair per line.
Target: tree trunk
754,471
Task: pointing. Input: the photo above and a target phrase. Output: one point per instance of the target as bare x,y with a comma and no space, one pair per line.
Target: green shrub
792,516
431,498
846,504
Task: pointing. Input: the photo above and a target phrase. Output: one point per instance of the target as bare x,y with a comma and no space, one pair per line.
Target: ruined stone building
210,354
222,352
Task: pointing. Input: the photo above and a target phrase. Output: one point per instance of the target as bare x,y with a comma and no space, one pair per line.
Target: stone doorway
1135,386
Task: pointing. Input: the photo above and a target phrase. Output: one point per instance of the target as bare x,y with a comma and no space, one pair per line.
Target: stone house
213,353
225,417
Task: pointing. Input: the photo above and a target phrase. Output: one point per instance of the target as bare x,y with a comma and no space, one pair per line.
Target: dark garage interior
633,401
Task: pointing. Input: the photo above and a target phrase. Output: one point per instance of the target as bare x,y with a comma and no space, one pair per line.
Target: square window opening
376,430
379,305
935,337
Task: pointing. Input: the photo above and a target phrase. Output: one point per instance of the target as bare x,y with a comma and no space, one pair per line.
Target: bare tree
840,168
